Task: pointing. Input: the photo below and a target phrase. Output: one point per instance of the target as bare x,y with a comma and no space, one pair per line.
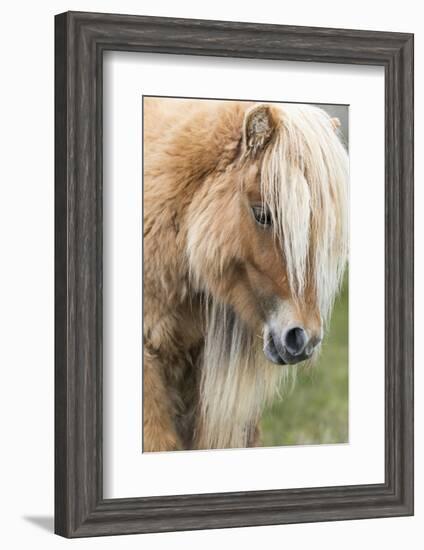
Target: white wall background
26,272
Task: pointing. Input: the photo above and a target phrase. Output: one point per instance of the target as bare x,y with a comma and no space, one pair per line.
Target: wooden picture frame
80,40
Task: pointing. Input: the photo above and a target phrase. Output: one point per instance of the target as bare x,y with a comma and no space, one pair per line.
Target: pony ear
258,127
335,123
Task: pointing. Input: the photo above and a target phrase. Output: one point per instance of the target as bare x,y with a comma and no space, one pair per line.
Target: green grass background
315,409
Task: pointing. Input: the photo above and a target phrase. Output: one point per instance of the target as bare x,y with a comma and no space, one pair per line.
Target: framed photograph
234,274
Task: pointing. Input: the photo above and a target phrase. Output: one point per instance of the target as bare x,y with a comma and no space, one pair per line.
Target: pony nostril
295,341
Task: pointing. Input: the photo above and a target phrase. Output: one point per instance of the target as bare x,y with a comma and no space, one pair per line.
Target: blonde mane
303,183
237,381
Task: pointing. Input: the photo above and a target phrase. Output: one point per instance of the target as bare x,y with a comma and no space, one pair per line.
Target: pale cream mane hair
304,185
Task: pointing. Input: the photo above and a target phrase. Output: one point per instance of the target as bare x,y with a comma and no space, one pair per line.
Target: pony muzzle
289,346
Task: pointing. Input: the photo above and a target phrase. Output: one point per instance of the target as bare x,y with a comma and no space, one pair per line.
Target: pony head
268,231
266,246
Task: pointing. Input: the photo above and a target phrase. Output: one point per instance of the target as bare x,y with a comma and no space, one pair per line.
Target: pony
245,245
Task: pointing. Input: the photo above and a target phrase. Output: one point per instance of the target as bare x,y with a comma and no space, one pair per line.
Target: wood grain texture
81,39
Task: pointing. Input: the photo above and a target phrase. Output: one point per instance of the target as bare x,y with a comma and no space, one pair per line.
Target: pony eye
262,215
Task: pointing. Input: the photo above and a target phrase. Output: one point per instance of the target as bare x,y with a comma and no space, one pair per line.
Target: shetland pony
245,244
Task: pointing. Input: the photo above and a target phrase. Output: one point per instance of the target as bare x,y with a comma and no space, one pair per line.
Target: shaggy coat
214,279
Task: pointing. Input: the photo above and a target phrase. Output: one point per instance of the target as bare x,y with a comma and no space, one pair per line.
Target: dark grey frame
80,40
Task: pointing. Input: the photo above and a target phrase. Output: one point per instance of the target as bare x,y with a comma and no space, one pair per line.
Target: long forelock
304,185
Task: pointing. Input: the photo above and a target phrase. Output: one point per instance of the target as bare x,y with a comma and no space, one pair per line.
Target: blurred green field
315,409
